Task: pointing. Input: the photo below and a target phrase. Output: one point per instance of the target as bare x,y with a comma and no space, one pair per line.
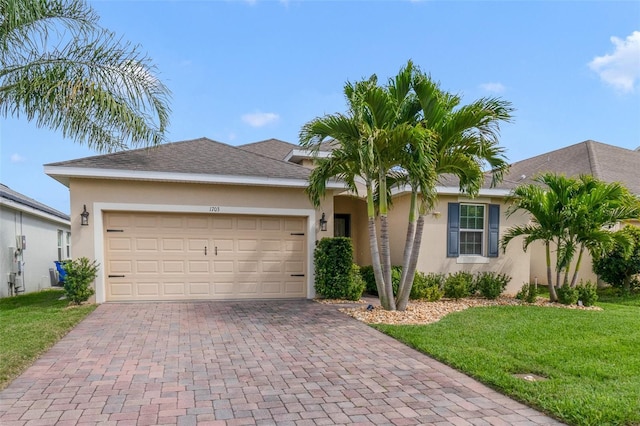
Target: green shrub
491,285
335,275
587,293
528,293
80,274
366,272
458,285
567,295
428,287
370,279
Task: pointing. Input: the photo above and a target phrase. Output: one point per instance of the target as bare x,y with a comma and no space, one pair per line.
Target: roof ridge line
591,154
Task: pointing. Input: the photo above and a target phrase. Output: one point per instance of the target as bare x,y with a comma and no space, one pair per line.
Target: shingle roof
197,156
273,148
11,195
605,162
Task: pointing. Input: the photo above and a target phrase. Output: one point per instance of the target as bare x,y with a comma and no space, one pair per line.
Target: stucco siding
433,256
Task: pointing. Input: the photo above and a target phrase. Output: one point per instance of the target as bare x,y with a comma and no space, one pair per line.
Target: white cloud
493,87
259,119
620,69
17,158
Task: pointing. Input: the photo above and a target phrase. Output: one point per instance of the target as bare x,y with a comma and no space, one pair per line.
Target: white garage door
161,256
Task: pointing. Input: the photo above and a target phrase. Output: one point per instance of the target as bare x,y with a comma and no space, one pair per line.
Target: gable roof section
197,160
272,148
605,162
17,200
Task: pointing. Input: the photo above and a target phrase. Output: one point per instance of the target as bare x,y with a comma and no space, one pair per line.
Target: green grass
29,325
591,359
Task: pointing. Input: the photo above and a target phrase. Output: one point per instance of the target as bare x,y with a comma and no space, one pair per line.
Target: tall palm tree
370,141
465,141
60,69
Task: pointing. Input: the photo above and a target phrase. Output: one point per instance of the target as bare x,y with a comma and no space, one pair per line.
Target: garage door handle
116,276
297,275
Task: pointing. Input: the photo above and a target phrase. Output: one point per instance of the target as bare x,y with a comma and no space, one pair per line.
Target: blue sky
244,71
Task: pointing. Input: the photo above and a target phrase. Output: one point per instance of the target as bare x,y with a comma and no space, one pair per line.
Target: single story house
32,237
203,220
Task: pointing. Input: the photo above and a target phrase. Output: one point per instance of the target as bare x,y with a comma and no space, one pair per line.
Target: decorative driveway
244,363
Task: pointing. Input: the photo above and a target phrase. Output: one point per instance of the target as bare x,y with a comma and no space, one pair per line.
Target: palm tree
60,69
465,140
572,215
370,141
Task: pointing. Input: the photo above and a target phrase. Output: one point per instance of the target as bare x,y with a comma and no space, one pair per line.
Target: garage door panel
147,267
146,244
162,256
173,244
223,266
148,289
251,246
120,266
198,267
173,267
199,288
119,244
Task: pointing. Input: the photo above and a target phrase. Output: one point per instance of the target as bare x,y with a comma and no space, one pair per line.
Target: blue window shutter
494,228
453,230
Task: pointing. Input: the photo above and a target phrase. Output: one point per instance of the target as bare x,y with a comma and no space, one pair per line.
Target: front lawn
590,359
29,325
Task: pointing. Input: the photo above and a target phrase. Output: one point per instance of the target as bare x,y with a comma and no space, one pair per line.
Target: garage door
204,257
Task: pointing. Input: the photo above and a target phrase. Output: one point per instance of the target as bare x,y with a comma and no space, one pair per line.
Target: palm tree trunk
375,254
385,250
408,245
553,297
575,271
403,299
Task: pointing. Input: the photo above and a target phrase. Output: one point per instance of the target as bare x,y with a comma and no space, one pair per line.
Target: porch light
84,216
323,223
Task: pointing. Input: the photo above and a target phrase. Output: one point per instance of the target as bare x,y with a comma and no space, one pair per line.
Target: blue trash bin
62,274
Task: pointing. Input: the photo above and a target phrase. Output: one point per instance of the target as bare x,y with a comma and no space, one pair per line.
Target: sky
245,71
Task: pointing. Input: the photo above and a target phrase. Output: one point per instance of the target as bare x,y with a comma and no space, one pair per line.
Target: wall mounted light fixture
323,223
84,216
436,214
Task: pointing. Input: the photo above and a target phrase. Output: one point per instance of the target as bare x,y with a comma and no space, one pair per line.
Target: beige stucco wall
104,194
433,256
357,208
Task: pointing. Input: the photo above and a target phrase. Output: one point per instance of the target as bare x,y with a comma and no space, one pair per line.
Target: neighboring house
604,162
200,219
32,237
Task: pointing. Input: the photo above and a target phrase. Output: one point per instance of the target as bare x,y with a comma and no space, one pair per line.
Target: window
472,230
60,247
68,244
342,225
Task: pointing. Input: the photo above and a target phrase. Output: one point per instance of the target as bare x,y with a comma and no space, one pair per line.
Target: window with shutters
472,223
472,230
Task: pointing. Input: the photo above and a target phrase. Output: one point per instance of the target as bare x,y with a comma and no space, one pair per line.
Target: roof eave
64,174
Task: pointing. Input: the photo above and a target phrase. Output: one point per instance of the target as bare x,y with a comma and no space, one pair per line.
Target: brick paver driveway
284,363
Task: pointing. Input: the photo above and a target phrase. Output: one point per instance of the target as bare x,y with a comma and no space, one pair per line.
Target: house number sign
214,209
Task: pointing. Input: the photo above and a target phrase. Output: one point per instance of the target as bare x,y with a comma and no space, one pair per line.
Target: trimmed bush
370,280
528,293
80,274
491,285
567,295
366,272
335,277
587,293
428,287
458,285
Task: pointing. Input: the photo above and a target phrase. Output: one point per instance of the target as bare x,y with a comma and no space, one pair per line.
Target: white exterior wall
41,232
